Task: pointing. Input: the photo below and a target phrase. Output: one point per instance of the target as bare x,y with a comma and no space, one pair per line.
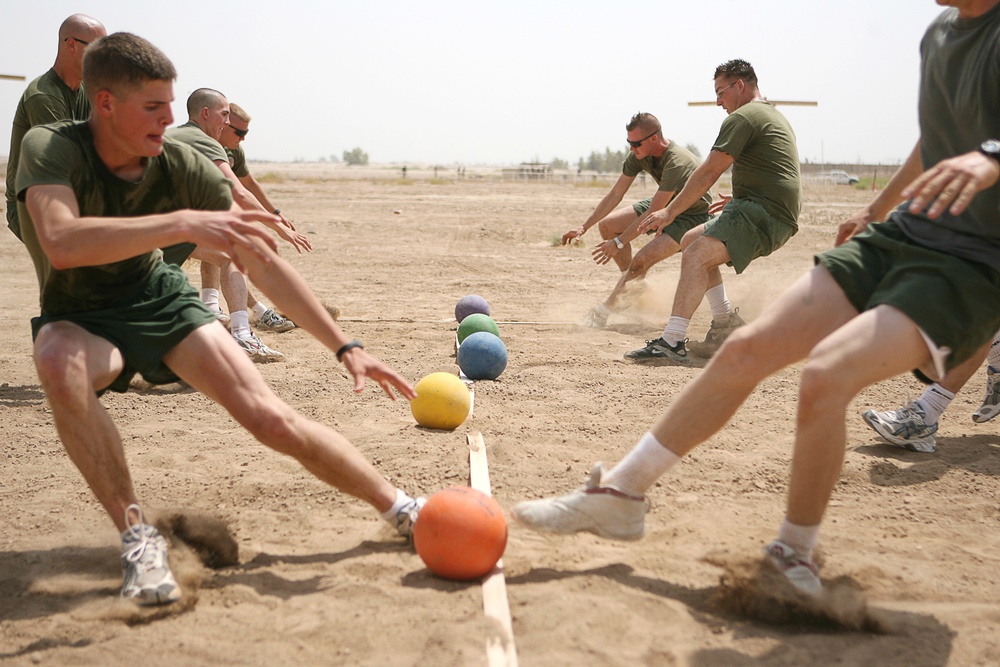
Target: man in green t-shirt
913,284
231,139
208,115
97,200
54,96
759,144
670,165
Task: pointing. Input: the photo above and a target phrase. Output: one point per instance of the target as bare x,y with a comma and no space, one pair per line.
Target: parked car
840,177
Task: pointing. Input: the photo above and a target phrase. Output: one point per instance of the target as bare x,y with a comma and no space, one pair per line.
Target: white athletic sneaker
406,517
272,321
148,579
991,402
904,428
220,315
800,570
256,349
596,318
597,509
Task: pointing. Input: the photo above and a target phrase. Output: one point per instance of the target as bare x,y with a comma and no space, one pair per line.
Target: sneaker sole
659,361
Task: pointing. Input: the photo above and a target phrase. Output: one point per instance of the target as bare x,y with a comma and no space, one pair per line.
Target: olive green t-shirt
238,161
766,159
47,99
959,108
192,135
671,171
64,154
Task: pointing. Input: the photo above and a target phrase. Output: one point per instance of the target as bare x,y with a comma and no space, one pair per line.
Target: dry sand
320,579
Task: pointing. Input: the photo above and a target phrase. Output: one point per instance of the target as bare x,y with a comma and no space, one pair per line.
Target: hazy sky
448,83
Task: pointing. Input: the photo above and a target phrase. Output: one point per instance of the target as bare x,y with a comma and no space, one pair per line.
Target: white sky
448,82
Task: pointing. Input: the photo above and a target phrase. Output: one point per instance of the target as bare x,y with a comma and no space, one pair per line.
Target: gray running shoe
596,318
148,579
601,510
991,402
717,334
904,428
407,515
272,321
800,570
660,353
256,349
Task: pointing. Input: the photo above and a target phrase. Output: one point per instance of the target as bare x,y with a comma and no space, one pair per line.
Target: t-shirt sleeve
47,158
42,109
631,166
207,187
734,136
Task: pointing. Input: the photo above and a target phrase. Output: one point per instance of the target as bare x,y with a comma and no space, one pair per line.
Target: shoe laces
140,548
407,516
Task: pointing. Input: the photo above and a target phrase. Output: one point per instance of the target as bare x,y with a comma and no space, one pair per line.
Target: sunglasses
636,144
718,93
239,133
76,39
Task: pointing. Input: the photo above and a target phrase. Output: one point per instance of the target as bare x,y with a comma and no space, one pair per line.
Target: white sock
934,401
993,358
210,297
401,499
239,323
641,467
676,330
258,310
718,301
801,538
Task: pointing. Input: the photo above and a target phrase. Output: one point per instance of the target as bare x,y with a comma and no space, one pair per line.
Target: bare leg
218,269
657,250
700,272
72,364
209,361
878,344
785,333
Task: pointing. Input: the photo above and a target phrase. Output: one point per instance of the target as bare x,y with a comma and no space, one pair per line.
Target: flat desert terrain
321,579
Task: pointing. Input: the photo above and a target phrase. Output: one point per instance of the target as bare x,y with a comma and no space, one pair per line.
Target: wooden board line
500,648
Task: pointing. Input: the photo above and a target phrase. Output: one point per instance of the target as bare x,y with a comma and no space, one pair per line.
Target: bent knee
274,426
745,352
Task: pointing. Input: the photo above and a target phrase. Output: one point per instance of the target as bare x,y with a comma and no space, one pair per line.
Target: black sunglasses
76,39
239,133
636,144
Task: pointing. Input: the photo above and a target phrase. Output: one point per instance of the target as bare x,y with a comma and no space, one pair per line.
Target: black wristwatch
990,148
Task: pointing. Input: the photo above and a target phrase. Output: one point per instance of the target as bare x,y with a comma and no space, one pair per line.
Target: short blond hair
238,111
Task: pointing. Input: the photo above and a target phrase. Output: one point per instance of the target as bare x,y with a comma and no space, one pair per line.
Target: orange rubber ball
460,533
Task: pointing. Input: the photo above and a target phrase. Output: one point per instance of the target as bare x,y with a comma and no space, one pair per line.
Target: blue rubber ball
482,356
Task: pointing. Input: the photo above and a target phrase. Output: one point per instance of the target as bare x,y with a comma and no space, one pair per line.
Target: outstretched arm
889,198
248,202
71,241
605,251
251,184
701,181
290,293
607,204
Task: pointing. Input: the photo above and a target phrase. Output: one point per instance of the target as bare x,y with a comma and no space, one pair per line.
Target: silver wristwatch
990,148
618,243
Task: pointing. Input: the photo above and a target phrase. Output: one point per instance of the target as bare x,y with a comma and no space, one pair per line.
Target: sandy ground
321,579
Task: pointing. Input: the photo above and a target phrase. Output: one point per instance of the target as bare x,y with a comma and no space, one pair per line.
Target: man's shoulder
195,137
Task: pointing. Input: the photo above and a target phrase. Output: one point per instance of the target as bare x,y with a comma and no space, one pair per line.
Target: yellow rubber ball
442,402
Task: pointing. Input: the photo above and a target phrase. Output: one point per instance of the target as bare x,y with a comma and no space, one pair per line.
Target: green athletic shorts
178,253
159,315
681,224
749,232
955,301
